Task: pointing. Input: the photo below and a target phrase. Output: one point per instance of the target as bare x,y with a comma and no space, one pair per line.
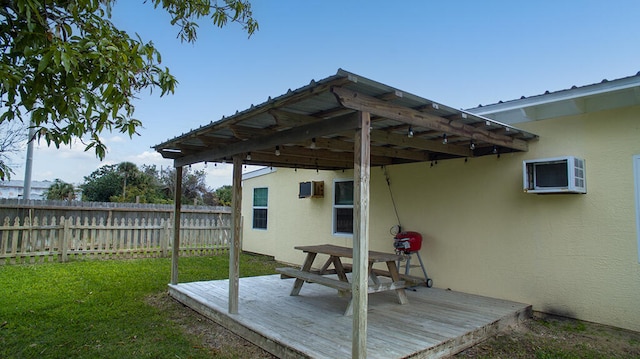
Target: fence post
66,235
164,237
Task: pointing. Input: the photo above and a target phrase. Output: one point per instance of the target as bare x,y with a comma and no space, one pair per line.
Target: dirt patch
540,337
557,337
206,333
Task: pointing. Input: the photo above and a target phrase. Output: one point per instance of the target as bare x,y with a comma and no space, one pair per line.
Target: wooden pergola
342,122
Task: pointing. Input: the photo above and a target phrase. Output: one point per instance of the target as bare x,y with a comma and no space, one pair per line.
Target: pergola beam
296,134
419,143
377,136
361,102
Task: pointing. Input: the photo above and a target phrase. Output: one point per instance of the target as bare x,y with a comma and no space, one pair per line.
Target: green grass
89,309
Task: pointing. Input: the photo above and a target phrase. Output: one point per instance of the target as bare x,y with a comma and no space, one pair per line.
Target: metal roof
312,127
605,95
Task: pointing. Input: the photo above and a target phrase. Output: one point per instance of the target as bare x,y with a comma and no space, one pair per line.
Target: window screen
260,201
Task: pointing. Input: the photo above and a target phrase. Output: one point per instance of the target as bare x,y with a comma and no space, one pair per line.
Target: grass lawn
89,309
120,309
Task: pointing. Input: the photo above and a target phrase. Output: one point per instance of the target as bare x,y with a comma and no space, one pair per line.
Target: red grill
407,242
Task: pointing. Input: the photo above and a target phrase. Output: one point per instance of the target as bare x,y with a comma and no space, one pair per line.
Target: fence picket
4,242
121,235
38,239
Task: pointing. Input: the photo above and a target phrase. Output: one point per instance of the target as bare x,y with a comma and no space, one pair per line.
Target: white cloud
114,139
67,152
72,163
149,158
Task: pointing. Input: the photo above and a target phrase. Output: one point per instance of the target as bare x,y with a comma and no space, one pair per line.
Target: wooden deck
435,323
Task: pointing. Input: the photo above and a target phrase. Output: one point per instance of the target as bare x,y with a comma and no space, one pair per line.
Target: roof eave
517,109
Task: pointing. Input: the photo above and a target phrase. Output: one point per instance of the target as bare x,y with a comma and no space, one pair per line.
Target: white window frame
254,207
339,206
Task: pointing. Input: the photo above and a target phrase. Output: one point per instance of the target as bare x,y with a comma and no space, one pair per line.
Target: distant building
15,189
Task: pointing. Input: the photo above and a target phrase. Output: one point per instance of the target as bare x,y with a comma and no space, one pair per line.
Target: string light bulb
313,143
249,156
444,139
277,150
472,146
410,133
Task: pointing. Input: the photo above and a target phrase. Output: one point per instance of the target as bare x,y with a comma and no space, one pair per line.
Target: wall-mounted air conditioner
554,175
314,189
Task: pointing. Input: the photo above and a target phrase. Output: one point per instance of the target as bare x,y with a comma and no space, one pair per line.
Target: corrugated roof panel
277,122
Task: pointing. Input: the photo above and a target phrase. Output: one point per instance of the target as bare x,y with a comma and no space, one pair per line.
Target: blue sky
460,53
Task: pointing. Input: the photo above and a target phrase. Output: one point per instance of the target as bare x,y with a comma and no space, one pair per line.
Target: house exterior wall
15,189
569,254
291,221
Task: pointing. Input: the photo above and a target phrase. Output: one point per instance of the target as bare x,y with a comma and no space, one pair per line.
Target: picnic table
326,275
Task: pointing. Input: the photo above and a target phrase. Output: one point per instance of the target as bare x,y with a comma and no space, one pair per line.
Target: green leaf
64,58
44,61
76,74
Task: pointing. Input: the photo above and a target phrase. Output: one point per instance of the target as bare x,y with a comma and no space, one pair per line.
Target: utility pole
29,164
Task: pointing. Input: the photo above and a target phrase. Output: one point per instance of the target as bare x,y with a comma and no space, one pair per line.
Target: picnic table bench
340,270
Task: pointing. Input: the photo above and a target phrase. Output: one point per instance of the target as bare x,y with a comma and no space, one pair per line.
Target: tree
102,184
139,186
128,171
60,190
66,69
12,135
194,188
123,182
223,195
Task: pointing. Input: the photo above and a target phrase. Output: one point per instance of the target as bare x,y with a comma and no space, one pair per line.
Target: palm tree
129,171
60,190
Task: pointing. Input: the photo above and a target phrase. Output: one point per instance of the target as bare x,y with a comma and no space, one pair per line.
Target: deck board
433,324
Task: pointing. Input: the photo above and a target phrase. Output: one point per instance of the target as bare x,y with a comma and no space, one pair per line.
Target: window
343,207
260,200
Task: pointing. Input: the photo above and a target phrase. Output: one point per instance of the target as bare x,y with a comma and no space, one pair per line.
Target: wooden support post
361,177
175,249
236,220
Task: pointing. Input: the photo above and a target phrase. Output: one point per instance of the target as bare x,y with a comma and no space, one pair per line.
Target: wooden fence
108,210
51,238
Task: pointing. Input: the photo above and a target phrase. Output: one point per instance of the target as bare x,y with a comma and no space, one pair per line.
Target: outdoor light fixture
313,143
249,156
277,150
444,139
410,133
472,146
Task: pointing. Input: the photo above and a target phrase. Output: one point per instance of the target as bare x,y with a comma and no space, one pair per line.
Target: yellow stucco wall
568,254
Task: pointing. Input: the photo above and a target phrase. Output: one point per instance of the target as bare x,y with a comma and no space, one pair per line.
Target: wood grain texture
175,252
236,220
435,323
